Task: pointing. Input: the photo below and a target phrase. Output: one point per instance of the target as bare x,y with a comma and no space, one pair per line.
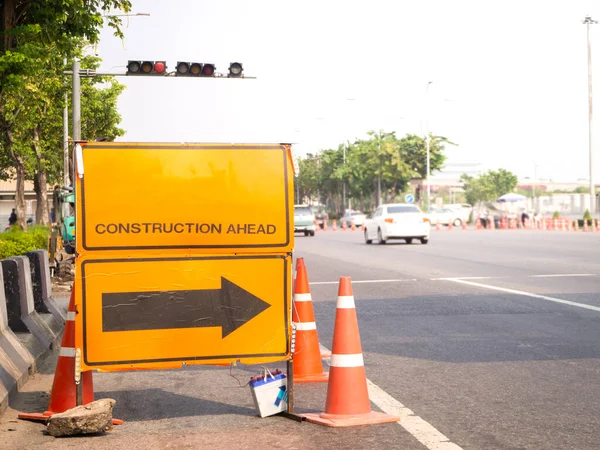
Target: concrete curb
27,334
42,285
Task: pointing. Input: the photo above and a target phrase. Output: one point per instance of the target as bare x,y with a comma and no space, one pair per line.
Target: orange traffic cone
353,227
478,224
464,226
324,225
437,225
64,394
308,366
492,223
344,225
334,226
317,227
450,225
348,401
585,225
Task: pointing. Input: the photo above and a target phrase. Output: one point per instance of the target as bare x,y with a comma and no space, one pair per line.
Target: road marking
526,294
465,278
556,275
421,430
363,281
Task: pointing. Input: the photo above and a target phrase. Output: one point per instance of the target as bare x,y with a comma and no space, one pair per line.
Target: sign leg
289,414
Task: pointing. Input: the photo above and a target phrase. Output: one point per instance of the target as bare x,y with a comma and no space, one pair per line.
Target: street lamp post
589,21
427,144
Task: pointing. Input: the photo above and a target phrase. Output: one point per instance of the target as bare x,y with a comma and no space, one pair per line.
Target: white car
354,216
397,221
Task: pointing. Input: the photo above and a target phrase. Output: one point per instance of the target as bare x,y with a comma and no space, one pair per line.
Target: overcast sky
509,78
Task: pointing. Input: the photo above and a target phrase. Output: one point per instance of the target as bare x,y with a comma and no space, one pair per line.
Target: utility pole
427,144
66,177
344,183
379,172
589,21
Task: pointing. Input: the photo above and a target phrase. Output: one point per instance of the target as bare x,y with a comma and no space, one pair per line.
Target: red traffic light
194,69
208,70
146,68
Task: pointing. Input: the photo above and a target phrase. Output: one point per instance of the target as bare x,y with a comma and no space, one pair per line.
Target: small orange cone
324,225
437,225
450,225
464,226
344,225
353,227
308,367
585,225
478,224
348,401
63,396
492,223
334,226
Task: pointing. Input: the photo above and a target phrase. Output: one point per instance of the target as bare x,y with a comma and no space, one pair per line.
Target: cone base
38,417
315,378
333,420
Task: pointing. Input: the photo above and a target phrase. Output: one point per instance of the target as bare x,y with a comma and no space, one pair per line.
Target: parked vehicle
397,221
463,210
304,220
356,216
444,216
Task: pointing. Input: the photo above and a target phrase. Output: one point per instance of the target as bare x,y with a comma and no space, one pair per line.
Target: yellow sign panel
211,198
163,312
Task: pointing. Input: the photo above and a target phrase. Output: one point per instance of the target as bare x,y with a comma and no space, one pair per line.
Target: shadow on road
152,404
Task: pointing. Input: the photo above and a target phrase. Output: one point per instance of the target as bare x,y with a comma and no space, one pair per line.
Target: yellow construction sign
164,312
178,198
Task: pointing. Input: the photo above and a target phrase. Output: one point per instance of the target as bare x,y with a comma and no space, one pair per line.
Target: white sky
509,77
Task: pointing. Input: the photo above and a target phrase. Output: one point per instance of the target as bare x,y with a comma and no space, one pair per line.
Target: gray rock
94,417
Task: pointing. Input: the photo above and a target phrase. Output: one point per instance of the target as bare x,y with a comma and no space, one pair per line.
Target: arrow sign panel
162,312
229,307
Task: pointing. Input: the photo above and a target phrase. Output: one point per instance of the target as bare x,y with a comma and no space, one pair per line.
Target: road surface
480,340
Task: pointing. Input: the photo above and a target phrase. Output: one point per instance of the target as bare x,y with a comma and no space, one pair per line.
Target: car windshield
302,211
402,209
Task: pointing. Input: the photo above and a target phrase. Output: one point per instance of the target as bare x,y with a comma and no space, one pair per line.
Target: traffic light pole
76,101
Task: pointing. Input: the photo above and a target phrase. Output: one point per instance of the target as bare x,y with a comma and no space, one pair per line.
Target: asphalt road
490,338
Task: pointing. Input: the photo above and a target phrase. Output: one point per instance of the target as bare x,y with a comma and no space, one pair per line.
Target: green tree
33,34
380,158
489,186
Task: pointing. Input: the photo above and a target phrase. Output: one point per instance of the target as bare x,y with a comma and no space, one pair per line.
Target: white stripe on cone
305,326
67,351
354,360
302,298
71,316
346,302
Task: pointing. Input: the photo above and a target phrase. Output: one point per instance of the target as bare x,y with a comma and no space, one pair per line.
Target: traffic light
146,68
194,69
235,70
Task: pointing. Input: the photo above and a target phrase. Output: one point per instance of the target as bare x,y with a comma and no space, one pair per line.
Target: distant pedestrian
524,217
12,220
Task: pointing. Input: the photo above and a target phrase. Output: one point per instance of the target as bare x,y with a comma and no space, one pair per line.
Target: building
7,200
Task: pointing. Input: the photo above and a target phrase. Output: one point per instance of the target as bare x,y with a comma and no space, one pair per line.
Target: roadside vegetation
38,41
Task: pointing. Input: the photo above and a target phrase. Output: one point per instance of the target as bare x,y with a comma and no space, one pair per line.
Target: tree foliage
380,158
36,36
489,186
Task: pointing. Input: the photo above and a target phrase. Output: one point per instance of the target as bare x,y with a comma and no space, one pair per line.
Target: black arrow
229,307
